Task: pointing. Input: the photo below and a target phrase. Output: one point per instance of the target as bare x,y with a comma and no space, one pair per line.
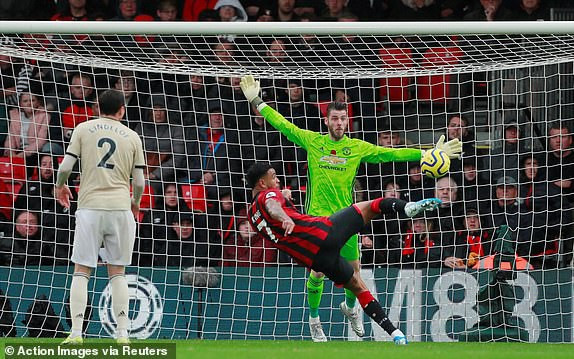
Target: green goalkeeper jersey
333,165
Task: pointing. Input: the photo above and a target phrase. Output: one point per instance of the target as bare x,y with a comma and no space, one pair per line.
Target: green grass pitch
267,349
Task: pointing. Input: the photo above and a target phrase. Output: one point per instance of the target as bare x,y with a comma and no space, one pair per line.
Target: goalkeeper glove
452,148
250,87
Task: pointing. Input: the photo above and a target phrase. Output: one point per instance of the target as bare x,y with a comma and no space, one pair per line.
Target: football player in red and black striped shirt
316,242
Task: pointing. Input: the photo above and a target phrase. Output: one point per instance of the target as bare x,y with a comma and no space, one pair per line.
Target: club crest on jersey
346,151
333,160
270,194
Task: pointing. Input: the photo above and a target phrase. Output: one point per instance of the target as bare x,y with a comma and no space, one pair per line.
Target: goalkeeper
333,160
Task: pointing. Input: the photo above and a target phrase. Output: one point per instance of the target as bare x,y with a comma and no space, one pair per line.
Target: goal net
493,263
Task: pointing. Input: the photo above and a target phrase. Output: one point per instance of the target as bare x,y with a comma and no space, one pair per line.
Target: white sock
120,303
314,320
397,333
78,301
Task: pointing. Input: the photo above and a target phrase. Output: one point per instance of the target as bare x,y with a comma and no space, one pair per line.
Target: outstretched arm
276,212
452,148
300,137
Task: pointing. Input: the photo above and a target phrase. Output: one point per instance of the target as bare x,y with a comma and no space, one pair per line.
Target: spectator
286,11
222,219
560,160
187,243
192,8
542,200
264,15
416,185
378,173
163,142
134,99
415,10
9,69
503,160
153,227
459,127
217,163
167,10
277,52
420,247
506,206
127,10
490,10
259,140
225,53
533,183
28,130
195,93
79,108
28,247
38,196
445,218
474,189
386,232
231,10
471,242
74,10
335,9
246,249
533,10
233,103
297,110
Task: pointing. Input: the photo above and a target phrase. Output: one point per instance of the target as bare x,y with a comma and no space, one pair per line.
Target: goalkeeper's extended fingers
453,148
440,142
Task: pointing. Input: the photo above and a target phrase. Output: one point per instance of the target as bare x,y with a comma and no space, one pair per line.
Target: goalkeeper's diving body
316,241
333,160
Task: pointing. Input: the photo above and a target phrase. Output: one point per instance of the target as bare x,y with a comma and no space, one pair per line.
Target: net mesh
508,97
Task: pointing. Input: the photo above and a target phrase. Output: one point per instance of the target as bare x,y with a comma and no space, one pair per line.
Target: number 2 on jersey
103,162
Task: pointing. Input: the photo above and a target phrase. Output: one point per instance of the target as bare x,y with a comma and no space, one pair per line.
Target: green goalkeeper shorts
350,250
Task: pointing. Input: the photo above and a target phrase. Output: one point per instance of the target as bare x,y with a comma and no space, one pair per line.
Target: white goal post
506,88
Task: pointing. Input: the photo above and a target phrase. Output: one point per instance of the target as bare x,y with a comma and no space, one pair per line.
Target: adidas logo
122,314
80,315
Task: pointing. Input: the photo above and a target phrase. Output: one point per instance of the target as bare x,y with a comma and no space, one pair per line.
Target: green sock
350,298
314,293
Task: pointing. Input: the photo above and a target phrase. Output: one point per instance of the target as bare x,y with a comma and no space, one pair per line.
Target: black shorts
328,260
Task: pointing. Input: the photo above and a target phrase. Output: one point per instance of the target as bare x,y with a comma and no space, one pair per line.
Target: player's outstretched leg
315,284
427,204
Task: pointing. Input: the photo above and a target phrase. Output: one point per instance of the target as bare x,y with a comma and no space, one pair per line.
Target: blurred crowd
278,10
200,135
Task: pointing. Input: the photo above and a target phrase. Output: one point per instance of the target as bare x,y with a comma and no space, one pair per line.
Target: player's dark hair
256,171
110,102
338,106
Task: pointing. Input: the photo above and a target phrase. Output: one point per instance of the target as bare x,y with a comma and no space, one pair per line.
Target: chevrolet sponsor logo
334,160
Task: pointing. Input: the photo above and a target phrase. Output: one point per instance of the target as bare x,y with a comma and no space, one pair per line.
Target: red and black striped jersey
307,237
